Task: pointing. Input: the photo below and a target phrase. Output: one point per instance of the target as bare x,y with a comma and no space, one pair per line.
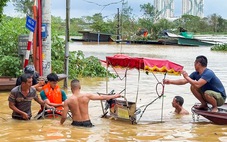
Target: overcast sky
80,8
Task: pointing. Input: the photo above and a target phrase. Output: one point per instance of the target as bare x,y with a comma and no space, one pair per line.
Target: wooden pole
67,42
39,27
35,49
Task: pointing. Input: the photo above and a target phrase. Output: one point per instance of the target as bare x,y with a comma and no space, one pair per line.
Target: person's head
26,80
75,85
29,69
202,60
177,100
42,80
52,79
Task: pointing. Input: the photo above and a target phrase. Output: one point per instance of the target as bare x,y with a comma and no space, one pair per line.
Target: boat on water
7,83
89,36
219,117
187,39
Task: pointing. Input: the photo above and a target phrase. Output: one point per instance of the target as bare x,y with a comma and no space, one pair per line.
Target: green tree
57,23
188,22
98,25
203,26
149,17
11,28
162,24
11,62
23,6
213,20
128,25
222,25
76,24
2,5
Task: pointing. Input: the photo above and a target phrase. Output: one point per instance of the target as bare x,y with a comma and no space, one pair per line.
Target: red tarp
147,64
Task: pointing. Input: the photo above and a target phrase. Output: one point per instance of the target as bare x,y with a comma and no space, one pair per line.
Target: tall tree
149,16
23,6
214,22
2,5
98,23
127,21
188,22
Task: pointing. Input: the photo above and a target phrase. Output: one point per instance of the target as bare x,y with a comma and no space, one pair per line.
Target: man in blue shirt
205,85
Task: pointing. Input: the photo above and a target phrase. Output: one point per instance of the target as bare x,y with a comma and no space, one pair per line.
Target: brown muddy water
150,128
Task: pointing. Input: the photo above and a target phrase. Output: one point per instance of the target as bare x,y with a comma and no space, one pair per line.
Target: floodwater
155,125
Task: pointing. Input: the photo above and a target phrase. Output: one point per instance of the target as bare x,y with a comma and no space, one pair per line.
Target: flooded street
150,128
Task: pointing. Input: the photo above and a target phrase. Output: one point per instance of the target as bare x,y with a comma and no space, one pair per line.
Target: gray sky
90,7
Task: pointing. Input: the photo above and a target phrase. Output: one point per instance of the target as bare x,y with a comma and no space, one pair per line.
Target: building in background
165,8
193,7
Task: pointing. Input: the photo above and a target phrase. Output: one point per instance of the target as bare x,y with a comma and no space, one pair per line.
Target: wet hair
179,100
24,77
75,84
202,60
52,77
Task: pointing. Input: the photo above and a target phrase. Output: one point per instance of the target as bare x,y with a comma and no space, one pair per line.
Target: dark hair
25,77
179,100
29,69
52,77
75,84
202,60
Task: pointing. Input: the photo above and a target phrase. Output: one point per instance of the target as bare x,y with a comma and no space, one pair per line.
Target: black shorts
19,118
82,123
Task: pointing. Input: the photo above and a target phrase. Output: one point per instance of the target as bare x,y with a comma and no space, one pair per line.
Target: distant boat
7,83
187,39
219,117
89,36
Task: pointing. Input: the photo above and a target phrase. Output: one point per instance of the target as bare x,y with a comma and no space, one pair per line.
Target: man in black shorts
78,105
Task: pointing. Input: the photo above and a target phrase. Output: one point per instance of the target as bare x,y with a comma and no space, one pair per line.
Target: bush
220,47
11,62
11,28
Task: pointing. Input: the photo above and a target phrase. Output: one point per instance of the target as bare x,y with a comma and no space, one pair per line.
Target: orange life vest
53,95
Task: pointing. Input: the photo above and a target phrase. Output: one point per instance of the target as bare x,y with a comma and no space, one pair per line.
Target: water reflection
173,127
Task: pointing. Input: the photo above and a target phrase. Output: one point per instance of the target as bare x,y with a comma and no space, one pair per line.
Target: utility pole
46,36
118,24
67,43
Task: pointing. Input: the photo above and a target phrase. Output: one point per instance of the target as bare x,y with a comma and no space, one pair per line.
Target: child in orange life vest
52,94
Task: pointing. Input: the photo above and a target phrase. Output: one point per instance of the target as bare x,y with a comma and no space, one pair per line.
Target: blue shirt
44,97
213,82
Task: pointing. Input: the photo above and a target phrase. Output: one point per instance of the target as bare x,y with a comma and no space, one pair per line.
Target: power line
104,5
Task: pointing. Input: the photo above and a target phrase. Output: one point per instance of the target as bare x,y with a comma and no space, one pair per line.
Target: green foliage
2,5
11,28
161,25
150,15
9,42
10,66
76,24
221,47
188,22
57,25
23,6
11,61
98,23
79,66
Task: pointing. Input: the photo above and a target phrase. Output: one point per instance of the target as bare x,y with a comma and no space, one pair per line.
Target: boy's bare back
78,105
